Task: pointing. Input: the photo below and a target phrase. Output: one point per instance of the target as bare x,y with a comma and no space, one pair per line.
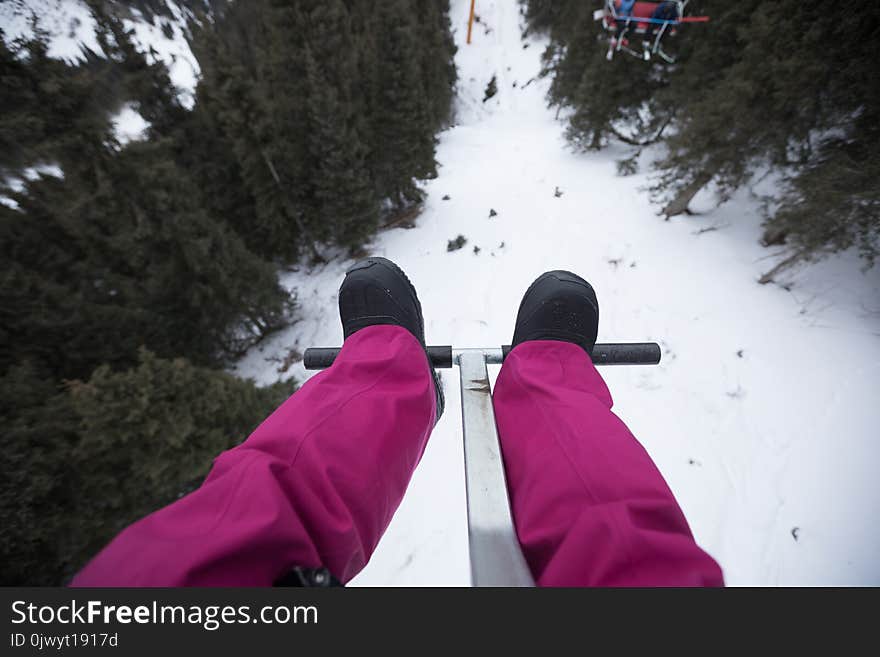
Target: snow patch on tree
69,24
71,29
154,42
129,125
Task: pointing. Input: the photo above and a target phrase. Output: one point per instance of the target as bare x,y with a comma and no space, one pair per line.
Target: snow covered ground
764,413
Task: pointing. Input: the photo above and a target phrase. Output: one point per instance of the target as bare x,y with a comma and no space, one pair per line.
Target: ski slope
763,415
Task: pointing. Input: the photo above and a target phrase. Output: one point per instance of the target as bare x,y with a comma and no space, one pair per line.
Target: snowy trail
763,415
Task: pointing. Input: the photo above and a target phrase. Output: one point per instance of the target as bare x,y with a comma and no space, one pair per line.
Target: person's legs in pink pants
317,483
314,486
590,507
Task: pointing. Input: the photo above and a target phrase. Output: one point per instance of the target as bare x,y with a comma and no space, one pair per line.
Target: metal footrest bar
634,353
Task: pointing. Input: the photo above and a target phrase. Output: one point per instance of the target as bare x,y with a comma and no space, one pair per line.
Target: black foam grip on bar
319,358
635,353
625,353
441,356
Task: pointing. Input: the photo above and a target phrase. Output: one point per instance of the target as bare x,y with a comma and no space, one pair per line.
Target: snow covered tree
47,105
788,86
117,249
119,254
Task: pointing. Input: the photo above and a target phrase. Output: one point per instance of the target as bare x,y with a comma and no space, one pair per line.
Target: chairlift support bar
660,21
495,553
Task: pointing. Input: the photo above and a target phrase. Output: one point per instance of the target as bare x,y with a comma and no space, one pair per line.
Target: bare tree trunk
299,224
774,236
404,218
679,205
782,266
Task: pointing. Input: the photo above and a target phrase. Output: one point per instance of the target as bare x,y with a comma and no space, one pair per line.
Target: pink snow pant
318,482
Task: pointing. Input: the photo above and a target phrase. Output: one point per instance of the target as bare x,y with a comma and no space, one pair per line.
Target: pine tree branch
634,142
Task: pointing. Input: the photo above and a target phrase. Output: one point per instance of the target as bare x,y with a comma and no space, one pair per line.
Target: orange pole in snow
471,21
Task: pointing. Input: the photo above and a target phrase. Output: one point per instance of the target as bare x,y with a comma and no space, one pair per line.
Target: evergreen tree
796,91
202,149
118,254
403,142
545,15
833,202
81,463
119,251
133,78
47,105
150,434
244,90
360,124
437,58
39,432
345,204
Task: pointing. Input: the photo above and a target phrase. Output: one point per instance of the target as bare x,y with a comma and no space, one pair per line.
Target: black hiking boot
376,291
559,306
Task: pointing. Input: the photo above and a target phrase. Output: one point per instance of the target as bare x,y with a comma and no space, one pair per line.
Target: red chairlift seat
641,10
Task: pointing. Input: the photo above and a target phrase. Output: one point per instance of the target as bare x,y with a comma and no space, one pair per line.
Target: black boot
560,306
376,291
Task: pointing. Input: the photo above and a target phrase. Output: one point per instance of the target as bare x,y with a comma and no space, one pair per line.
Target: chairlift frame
611,21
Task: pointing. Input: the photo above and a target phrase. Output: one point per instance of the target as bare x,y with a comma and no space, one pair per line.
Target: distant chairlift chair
651,20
